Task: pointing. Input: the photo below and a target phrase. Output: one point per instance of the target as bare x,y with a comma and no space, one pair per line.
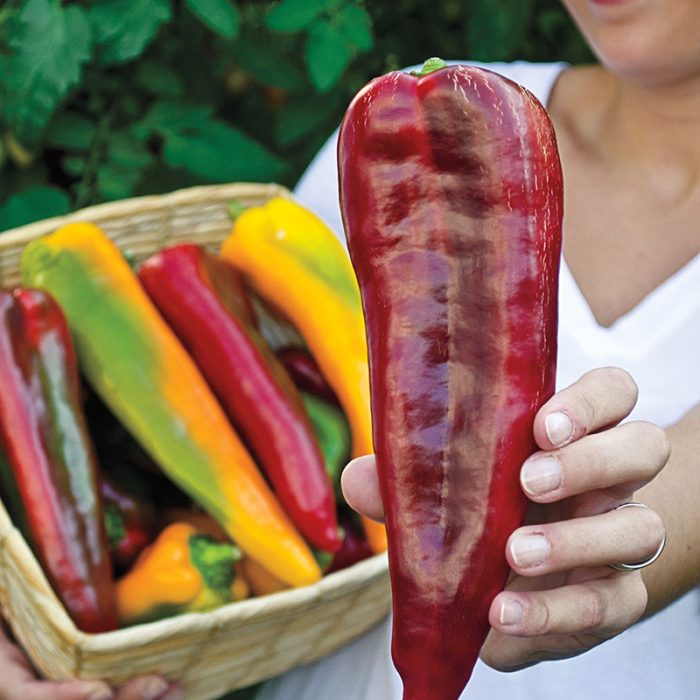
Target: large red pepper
48,456
451,194
203,300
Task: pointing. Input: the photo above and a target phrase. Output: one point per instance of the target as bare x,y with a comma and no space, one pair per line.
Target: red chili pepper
355,546
203,300
451,193
305,373
48,456
129,522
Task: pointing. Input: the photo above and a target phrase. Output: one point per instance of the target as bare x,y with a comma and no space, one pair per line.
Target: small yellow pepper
182,571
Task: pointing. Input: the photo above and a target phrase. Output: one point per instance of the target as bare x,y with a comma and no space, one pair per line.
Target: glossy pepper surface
355,546
142,372
129,521
333,434
305,373
294,261
182,571
203,300
48,456
451,195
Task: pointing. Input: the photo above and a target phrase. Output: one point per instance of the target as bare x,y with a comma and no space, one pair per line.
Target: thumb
360,484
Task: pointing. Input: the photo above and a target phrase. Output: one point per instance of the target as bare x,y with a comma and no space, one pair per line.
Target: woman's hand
563,598
19,682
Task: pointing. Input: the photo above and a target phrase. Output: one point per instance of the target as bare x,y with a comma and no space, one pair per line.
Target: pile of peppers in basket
200,464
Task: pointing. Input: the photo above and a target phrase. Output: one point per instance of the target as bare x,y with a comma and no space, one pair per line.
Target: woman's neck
631,160
653,130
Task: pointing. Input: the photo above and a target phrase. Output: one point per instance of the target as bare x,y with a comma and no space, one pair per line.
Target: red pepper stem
430,66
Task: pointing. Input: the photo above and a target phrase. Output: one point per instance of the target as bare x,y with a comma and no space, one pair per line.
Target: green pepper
333,433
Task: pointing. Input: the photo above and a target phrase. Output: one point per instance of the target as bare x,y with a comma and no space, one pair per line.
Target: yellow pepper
182,571
296,263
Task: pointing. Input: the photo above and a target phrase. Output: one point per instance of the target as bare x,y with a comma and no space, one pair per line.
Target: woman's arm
674,495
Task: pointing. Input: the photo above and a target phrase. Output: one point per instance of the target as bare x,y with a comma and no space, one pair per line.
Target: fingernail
512,612
153,688
529,550
100,693
559,428
541,475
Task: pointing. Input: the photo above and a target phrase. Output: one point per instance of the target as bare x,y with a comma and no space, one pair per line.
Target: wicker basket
208,653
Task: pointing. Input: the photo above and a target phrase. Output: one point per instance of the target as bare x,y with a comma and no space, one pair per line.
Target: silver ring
640,564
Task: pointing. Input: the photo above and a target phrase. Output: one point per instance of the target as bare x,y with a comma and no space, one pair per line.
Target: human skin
19,682
629,126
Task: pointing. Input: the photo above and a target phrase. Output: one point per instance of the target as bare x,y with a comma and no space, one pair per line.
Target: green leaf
199,143
221,16
74,165
126,160
221,153
168,116
70,130
48,46
267,65
497,29
39,202
158,78
294,15
124,149
327,54
123,28
304,115
356,26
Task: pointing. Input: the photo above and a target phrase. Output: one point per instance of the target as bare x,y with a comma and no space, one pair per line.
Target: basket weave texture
207,653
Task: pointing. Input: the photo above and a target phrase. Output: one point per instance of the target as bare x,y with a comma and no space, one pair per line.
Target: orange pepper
260,580
182,571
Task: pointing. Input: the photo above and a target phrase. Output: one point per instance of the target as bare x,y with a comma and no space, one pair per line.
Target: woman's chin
650,42
651,71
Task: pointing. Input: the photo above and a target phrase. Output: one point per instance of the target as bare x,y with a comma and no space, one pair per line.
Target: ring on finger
646,562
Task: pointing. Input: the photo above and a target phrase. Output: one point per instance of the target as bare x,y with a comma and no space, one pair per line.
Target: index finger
601,398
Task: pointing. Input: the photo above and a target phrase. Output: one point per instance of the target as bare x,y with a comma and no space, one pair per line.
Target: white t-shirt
658,342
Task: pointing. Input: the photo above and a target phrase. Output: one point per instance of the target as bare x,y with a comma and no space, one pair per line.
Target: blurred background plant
106,99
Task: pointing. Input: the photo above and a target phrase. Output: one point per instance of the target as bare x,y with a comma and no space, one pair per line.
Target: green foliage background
115,98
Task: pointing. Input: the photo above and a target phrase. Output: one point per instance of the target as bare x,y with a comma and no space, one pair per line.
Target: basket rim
354,576
139,205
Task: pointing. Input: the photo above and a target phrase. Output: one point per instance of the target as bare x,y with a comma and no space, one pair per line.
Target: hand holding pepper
563,598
